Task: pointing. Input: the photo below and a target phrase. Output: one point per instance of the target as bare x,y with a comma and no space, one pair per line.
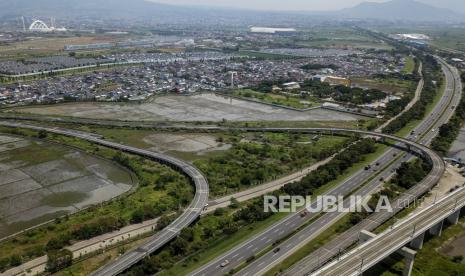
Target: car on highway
276,250
225,263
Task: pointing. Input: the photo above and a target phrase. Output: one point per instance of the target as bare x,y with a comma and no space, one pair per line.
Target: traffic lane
423,127
396,237
457,96
316,228
257,265
213,267
283,229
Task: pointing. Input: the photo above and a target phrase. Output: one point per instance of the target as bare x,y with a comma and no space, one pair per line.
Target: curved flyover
167,234
201,196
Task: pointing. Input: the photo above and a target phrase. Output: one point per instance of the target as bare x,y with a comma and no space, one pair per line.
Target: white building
267,30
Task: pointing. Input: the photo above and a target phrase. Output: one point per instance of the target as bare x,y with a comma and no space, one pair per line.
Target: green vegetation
214,234
406,176
321,90
161,191
253,158
316,243
431,72
209,230
330,171
409,65
263,157
308,124
294,101
449,131
397,84
58,260
430,260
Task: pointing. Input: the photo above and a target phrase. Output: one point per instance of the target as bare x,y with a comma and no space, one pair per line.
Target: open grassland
48,45
409,65
233,161
394,86
277,99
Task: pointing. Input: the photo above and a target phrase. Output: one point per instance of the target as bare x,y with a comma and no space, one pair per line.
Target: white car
225,263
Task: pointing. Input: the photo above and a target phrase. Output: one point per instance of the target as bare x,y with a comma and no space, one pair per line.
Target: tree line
433,79
449,131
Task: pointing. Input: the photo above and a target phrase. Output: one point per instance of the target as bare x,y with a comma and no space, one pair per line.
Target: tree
179,246
58,260
42,134
16,260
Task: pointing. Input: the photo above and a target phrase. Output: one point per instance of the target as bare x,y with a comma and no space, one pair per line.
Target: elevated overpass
409,231
167,234
201,196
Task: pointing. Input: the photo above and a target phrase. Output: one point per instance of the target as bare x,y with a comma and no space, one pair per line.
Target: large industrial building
267,30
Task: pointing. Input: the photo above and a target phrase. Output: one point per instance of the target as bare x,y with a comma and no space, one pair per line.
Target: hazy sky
458,5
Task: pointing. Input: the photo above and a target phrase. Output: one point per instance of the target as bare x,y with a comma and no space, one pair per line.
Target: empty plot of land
184,142
204,107
39,182
458,147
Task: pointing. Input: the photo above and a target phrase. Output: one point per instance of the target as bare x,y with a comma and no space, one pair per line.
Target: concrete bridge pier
437,229
417,243
454,218
409,256
409,148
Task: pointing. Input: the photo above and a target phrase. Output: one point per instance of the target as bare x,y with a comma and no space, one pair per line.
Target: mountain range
409,10
405,10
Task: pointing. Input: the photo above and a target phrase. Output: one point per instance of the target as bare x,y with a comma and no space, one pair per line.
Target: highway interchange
287,226
387,164
450,99
167,234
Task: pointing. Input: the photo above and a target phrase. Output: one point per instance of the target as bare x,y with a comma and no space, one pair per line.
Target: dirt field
39,182
456,247
458,147
54,44
205,107
195,143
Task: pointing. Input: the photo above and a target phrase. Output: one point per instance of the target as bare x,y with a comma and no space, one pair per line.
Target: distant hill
141,11
145,11
406,10
85,8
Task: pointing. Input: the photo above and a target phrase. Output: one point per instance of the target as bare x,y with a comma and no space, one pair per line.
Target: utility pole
233,73
24,24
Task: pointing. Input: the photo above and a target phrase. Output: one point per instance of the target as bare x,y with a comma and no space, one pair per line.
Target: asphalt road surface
167,234
451,98
287,226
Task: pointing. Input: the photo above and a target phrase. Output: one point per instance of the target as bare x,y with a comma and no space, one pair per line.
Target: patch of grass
227,243
89,265
409,65
221,246
429,261
277,99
